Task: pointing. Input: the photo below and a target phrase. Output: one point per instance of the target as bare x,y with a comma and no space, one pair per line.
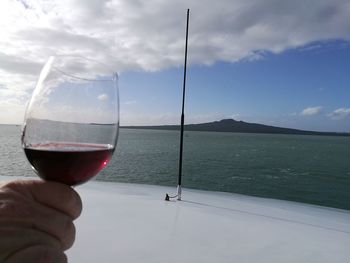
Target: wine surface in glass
68,163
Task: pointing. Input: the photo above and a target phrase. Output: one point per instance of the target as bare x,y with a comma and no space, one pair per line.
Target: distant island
231,125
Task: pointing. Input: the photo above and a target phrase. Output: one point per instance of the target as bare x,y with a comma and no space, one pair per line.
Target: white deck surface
132,223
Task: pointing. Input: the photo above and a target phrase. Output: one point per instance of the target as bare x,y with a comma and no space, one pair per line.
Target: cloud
340,114
235,116
129,34
149,35
18,65
102,97
130,102
12,111
310,111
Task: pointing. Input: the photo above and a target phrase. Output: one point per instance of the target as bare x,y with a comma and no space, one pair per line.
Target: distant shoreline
232,126
226,125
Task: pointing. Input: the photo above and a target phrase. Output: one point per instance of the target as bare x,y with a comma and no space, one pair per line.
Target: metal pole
183,112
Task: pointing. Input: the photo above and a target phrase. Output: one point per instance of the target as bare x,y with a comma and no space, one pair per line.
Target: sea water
303,168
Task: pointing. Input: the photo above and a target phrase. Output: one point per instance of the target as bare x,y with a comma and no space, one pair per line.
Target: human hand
36,221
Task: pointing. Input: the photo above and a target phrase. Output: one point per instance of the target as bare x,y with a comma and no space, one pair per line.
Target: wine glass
71,123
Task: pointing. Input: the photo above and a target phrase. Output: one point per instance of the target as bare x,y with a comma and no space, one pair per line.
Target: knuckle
50,255
39,253
68,234
74,202
10,207
16,185
11,184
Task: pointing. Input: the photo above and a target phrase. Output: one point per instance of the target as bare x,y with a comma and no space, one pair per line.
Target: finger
60,226
56,195
38,254
45,219
18,210
15,238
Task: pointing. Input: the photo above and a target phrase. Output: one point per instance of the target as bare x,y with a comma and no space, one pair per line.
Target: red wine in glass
68,163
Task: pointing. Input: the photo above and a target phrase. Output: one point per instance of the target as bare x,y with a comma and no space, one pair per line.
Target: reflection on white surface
132,223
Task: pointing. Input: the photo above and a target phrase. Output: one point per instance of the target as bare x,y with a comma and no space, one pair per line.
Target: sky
281,63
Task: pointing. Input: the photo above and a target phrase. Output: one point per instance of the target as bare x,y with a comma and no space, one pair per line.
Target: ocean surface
303,168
